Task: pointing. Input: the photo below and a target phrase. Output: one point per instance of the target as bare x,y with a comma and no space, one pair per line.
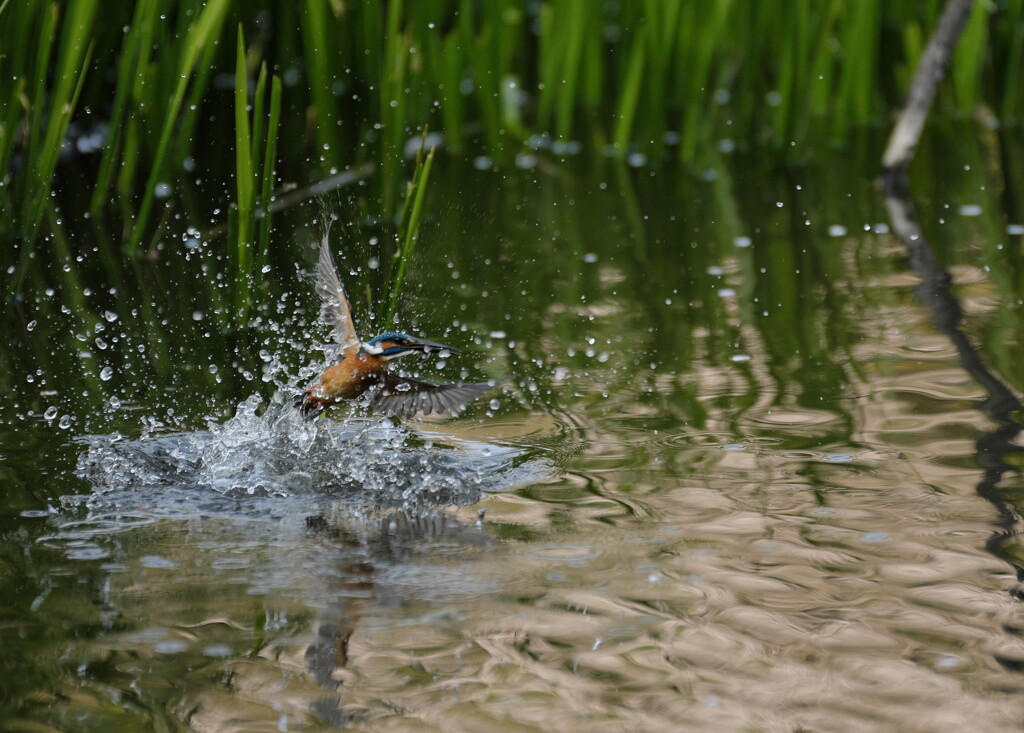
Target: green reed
137,42
321,69
249,221
392,101
409,228
45,57
196,48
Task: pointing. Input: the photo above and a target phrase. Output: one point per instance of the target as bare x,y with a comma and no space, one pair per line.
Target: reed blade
410,233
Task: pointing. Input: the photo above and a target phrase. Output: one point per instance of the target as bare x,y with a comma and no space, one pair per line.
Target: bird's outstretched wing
404,397
334,309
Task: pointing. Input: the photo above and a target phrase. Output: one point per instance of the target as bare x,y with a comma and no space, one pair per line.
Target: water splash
365,461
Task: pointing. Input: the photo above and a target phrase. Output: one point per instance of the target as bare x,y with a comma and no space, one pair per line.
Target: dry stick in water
930,70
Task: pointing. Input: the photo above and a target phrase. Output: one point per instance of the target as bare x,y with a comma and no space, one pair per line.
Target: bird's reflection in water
400,536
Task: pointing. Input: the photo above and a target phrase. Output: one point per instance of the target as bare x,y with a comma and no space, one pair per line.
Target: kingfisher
364,364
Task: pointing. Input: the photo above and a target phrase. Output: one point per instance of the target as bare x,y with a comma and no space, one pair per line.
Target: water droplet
526,161
171,646
65,422
217,650
31,325
157,562
106,373
51,412
87,552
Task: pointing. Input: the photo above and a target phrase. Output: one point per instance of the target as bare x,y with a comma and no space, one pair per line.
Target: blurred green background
121,113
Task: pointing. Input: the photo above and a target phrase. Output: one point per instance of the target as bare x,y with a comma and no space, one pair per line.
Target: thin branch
930,71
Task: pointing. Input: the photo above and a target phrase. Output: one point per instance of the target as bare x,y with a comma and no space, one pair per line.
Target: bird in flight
364,364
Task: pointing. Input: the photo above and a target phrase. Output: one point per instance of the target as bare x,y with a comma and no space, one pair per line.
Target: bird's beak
429,347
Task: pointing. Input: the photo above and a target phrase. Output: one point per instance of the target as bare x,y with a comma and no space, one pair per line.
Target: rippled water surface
752,472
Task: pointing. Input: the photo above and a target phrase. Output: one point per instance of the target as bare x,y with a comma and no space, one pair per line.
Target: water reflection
1000,403
705,510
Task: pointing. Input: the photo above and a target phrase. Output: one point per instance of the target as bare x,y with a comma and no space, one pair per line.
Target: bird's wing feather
335,310
404,397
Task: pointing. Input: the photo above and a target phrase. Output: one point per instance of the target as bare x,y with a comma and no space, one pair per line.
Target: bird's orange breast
353,376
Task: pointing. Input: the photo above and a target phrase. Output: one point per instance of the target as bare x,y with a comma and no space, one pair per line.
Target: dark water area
752,469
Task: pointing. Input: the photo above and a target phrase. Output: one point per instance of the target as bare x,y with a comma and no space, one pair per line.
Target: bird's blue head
391,345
